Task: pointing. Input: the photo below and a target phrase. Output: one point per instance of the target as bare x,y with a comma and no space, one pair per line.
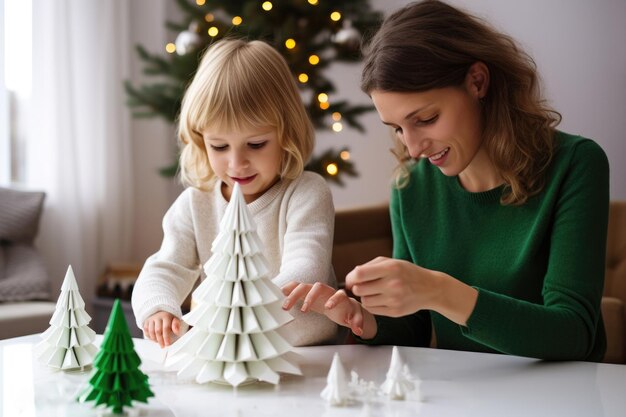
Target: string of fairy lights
323,100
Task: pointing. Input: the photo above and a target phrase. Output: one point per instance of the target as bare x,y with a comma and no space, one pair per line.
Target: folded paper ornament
337,390
68,342
237,317
116,383
399,382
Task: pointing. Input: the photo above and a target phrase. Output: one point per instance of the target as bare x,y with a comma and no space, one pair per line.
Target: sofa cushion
23,275
24,318
22,272
19,214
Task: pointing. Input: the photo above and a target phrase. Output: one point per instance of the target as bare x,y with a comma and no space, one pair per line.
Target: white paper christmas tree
236,335
68,342
337,391
399,382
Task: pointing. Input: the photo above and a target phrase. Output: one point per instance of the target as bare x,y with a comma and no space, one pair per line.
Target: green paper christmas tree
116,380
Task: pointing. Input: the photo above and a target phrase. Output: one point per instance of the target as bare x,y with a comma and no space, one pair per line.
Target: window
15,85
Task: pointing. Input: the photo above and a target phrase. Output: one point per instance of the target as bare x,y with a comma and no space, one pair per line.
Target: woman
499,220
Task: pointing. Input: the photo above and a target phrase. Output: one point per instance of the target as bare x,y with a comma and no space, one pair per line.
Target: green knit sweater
538,268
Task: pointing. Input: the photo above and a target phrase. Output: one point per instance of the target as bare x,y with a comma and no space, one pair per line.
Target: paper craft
116,382
399,381
361,388
68,342
237,316
337,391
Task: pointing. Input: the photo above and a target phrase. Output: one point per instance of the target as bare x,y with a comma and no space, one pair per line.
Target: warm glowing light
324,105
313,2
322,97
237,20
170,48
314,60
335,16
200,2
303,78
267,6
213,31
345,155
209,17
290,43
336,116
332,169
337,127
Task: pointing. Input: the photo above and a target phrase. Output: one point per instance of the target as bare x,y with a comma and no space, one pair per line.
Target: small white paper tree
238,314
399,381
68,342
337,391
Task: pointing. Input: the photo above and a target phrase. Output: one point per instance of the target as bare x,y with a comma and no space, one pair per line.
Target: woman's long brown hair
429,45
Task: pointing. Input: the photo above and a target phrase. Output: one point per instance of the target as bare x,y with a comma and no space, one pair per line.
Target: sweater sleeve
306,254
564,326
308,239
168,276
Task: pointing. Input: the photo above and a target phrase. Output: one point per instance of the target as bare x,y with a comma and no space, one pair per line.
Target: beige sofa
23,276
364,233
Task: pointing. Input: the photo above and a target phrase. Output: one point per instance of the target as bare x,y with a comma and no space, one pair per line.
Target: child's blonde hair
242,85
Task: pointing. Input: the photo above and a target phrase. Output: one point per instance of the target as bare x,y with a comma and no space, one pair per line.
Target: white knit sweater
295,221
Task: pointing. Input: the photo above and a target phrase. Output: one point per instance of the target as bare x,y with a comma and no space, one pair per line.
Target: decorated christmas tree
311,35
116,380
236,335
68,342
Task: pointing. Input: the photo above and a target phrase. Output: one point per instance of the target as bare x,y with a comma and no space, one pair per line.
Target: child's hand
160,326
336,305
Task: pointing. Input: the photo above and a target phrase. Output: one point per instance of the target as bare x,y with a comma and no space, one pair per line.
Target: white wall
153,138
579,49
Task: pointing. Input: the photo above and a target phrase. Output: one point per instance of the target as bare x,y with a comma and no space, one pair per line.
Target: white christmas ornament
237,316
68,342
188,40
399,382
337,391
348,36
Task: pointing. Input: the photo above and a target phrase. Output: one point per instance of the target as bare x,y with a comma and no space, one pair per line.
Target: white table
453,384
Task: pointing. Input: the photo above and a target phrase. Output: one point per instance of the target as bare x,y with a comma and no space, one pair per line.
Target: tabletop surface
452,384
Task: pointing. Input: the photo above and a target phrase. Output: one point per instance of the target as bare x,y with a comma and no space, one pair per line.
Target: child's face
250,157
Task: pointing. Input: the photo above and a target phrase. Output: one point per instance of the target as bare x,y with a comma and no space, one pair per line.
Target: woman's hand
334,304
160,326
395,288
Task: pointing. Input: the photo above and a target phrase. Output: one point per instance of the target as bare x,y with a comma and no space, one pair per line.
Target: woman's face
442,125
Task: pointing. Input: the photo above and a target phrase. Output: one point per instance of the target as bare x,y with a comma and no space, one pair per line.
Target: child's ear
477,80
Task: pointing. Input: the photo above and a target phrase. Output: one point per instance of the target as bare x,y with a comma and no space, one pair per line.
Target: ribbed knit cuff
483,310
154,305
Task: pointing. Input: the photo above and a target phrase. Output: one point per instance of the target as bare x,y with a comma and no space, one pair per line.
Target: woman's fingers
375,301
371,271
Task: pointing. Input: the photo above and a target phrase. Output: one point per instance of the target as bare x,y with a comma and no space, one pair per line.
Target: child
242,121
